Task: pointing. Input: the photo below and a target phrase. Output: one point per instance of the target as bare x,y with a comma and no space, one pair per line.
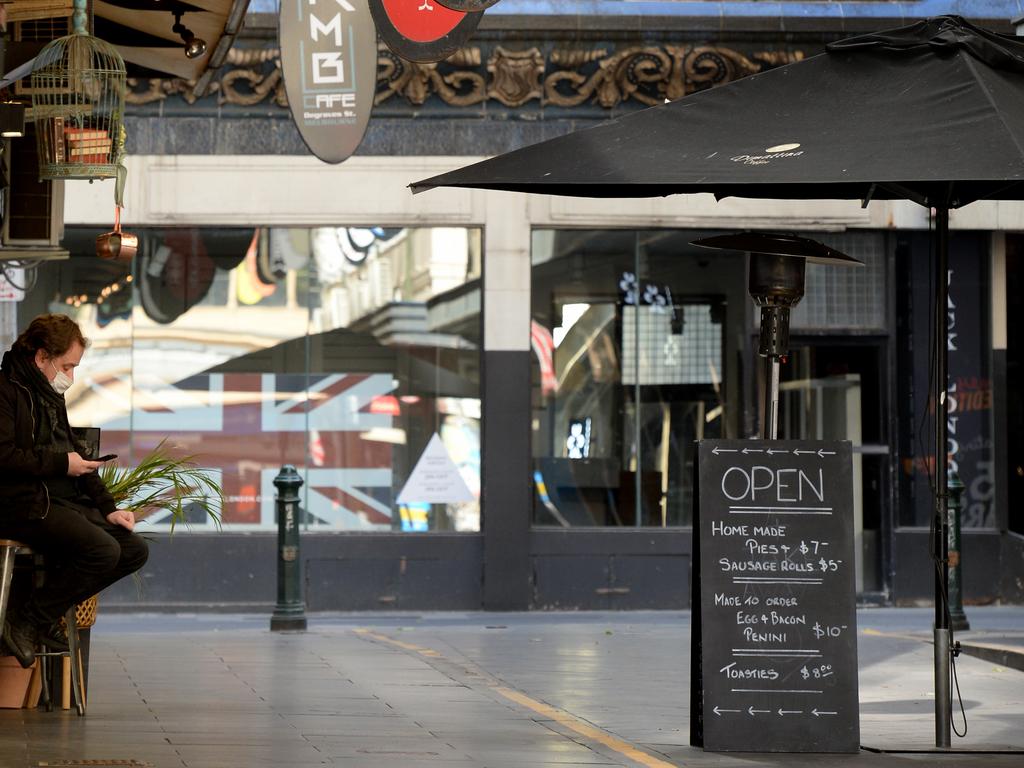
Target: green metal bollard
290,611
957,619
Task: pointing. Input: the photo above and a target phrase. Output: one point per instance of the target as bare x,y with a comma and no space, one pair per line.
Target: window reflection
629,336
343,351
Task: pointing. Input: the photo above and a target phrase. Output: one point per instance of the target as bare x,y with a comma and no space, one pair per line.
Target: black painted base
284,620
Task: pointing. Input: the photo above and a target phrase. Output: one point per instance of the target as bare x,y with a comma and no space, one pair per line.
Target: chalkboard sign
775,628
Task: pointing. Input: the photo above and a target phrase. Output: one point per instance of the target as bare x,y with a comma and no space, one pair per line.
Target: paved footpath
480,689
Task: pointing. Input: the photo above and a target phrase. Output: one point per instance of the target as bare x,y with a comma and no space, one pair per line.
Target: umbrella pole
943,636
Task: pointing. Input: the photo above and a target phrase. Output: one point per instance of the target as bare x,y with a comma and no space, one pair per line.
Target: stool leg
75,658
6,573
65,682
35,686
44,675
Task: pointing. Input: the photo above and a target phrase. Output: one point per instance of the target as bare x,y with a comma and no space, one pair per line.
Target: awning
141,30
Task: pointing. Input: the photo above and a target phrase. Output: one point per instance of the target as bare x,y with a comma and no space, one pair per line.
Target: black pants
82,558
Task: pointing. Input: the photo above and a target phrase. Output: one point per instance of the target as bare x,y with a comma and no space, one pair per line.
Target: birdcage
78,89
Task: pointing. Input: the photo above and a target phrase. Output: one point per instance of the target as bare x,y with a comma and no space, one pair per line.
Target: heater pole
774,339
776,274
770,420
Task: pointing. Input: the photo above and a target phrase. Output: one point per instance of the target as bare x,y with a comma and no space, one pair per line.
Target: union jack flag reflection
346,433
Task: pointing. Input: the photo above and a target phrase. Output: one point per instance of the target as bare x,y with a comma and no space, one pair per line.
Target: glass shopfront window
637,339
347,352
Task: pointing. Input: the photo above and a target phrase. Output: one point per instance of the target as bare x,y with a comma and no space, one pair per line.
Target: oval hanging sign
467,5
329,62
422,30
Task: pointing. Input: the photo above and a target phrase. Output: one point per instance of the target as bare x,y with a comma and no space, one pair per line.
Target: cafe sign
422,30
329,61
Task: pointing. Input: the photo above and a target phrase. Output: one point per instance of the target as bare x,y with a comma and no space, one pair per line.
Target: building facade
565,353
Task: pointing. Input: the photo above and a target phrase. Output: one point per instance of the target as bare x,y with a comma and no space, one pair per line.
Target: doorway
833,389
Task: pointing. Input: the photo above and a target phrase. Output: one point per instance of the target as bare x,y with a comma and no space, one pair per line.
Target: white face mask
61,382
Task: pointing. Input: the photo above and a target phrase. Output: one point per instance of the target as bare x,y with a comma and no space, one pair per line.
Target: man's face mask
61,382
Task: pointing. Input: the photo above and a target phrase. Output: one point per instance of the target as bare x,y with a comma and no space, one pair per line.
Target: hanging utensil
117,245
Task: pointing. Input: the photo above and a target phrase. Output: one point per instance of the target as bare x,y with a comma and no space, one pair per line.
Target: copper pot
117,245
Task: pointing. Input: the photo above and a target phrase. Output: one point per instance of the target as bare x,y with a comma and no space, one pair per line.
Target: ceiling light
194,46
12,119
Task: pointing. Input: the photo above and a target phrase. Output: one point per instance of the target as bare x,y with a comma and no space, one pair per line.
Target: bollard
957,619
290,611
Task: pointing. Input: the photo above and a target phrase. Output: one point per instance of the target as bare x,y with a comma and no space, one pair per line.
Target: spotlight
194,46
12,119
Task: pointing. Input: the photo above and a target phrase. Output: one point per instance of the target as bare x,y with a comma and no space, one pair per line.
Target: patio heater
775,281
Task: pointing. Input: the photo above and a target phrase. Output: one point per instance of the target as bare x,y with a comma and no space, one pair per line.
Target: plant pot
14,683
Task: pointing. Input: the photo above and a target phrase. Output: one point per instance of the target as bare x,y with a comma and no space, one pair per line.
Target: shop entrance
833,391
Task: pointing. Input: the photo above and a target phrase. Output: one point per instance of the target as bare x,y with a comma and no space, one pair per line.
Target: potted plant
162,482
159,482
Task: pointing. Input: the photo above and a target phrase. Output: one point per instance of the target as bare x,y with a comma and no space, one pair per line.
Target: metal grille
33,207
692,356
846,297
45,29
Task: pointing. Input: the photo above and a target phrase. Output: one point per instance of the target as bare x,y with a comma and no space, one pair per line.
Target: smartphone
108,457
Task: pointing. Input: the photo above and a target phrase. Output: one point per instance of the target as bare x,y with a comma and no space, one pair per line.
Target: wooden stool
72,671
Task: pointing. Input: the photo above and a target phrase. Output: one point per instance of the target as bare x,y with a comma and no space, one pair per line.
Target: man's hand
122,517
77,466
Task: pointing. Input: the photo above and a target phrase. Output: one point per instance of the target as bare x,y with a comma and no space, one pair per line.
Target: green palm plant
162,482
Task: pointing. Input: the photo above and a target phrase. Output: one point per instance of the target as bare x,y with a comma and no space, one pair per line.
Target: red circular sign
422,21
422,30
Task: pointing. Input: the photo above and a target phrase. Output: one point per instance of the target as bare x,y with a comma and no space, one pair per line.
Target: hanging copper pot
117,245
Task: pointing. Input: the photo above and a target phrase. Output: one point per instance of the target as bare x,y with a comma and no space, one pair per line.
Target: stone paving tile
413,749
186,693
243,761
386,760
160,758
539,758
233,736
277,755
342,728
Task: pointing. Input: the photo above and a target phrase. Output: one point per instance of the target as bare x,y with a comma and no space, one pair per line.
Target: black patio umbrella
932,112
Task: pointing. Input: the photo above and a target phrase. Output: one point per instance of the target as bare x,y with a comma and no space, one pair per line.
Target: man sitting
51,498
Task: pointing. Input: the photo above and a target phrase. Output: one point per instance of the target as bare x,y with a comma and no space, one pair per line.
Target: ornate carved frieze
515,76
650,74
458,83
570,77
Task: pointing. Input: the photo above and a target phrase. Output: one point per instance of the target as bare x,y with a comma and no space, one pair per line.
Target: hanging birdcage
78,89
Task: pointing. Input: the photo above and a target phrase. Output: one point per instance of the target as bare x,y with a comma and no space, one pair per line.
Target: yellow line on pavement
571,722
399,643
897,635
584,729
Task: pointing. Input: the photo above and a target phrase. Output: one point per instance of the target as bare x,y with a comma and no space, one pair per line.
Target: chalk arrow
771,452
753,711
798,452
819,713
752,450
716,450
790,711
719,712
823,453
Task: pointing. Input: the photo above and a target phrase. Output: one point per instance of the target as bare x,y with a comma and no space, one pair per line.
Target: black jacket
28,459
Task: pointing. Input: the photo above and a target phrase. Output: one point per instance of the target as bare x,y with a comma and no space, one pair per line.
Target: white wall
301,191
